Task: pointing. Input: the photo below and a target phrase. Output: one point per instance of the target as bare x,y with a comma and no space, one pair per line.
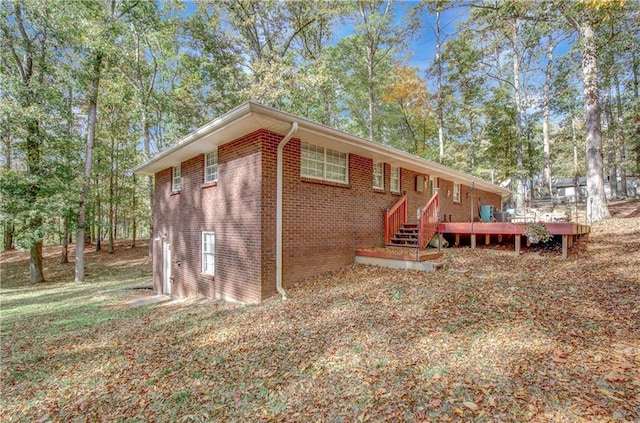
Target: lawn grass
529,338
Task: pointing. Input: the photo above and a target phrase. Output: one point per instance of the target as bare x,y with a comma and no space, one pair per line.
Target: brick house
258,199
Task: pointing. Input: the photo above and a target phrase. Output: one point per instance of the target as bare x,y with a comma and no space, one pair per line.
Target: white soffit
250,117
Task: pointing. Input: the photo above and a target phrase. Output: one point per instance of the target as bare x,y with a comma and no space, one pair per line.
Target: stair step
409,226
404,241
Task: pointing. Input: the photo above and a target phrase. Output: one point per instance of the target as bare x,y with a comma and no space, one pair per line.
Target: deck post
473,241
564,246
499,238
457,240
517,244
487,239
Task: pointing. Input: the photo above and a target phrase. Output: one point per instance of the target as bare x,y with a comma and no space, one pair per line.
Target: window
378,175
211,167
322,163
456,192
208,253
395,179
177,179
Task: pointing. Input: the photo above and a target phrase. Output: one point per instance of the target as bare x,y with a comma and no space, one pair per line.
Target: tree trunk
8,236
111,196
439,105
622,169
98,216
596,203
518,118
64,256
611,145
371,94
35,262
133,215
546,137
82,215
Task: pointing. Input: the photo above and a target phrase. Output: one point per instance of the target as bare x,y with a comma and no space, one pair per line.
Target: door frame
166,268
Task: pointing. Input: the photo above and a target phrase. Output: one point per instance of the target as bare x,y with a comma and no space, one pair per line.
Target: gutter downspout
279,184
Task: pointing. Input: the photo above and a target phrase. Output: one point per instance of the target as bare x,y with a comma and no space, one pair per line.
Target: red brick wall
323,222
231,208
461,211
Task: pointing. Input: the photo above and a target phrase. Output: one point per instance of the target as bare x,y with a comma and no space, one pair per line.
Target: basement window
208,253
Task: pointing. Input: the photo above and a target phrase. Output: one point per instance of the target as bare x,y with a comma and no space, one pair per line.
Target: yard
491,337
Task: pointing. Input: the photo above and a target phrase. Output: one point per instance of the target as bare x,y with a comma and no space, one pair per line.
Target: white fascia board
356,144
214,125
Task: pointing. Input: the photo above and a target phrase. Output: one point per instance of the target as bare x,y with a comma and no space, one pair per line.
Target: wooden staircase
399,233
406,236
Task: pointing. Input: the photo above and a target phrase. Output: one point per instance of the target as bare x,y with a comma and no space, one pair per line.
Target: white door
166,268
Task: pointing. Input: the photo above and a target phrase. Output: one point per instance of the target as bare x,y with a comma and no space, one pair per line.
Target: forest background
515,90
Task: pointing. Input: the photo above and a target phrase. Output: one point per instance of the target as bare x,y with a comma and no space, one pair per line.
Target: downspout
279,184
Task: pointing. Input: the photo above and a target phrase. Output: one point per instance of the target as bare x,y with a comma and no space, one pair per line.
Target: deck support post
517,239
473,241
499,238
457,240
564,246
487,239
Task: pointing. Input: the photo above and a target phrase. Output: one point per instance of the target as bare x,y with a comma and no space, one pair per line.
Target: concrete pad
426,266
153,299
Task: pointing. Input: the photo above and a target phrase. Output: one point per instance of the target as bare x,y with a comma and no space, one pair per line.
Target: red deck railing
394,218
428,223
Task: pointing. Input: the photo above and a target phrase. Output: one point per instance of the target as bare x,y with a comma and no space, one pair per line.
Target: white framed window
176,180
211,167
322,163
456,192
394,181
378,175
208,253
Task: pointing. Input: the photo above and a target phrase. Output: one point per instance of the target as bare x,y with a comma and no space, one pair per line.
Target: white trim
251,116
206,254
208,166
380,179
456,192
396,178
176,178
325,160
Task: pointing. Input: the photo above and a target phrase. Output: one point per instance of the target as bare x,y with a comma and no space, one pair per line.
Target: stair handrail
394,218
429,220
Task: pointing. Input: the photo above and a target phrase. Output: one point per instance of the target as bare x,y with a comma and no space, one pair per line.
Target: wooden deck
569,231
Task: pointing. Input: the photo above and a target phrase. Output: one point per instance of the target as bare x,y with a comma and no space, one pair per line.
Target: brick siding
324,222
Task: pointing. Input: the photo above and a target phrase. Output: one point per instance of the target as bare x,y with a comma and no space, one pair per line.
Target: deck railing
394,218
428,223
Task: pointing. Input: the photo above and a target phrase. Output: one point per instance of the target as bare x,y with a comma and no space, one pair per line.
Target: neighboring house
258,200
566,189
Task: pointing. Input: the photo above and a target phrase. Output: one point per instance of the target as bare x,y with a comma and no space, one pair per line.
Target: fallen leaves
512,339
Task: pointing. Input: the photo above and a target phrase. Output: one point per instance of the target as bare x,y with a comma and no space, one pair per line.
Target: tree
584,20
32,104
368,52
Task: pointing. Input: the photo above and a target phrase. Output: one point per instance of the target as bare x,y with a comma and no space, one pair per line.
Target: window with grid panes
323,163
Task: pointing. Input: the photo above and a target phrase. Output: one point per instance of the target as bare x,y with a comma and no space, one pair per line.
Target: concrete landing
394,263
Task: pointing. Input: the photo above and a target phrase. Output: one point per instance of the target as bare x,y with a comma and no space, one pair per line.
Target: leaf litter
532,338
